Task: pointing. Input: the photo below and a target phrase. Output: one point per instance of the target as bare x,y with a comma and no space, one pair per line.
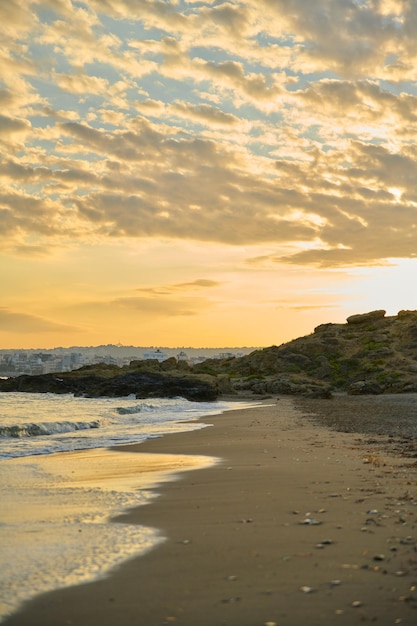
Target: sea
62,480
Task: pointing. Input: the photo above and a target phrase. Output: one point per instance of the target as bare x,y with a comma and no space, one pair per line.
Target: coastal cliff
369,354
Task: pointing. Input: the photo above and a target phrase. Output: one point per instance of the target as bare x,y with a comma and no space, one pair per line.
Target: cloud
308,307
151,303
22,213
199,283
32,250
169,300
231,75
205,113
16,18
268,122
82,84
303,307
7,98
13,322
358,106
13,126
161,307
352,38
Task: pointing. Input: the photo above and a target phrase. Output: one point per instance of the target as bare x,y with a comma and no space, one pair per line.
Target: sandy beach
296,523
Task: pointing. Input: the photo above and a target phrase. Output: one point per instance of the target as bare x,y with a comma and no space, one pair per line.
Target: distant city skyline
223,172
119,346
14,362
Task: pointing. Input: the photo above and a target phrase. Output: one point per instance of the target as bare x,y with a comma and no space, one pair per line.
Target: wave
138,408
45,428
128,410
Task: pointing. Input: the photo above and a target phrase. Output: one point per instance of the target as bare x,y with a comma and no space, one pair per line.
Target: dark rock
361,318
380,351
319,393
409,314
323,327
409,387
169,364
224,384
364,387
370,354
143,384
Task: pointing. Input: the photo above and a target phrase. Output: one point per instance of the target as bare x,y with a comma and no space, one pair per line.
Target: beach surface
296,523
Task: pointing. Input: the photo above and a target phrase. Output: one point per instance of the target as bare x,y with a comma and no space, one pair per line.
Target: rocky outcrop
362,318
283,385
409,314
113,383
370,354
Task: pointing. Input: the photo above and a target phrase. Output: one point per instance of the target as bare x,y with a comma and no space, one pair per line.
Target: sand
297,524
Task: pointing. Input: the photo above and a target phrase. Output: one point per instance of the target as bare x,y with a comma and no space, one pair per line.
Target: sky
204,173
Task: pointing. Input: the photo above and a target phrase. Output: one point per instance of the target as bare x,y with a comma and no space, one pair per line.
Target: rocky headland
144,379
369,354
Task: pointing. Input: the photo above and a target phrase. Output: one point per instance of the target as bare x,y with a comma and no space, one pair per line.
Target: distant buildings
156,354
34,362
16,362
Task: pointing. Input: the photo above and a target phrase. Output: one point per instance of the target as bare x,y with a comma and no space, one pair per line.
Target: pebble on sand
310,521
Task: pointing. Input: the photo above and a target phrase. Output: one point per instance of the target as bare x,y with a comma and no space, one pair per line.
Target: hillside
370,353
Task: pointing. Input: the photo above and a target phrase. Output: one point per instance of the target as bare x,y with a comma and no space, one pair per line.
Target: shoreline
295,522
48,500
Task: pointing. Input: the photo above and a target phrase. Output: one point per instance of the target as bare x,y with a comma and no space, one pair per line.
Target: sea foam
56,512
56,508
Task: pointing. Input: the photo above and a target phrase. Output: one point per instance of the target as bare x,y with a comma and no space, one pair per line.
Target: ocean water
60,484
33,423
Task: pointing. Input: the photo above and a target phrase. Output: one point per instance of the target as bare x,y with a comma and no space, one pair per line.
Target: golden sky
204,173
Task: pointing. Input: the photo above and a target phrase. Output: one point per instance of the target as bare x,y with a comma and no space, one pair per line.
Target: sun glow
197,175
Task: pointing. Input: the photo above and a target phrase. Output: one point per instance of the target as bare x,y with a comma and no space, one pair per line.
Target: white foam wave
45,428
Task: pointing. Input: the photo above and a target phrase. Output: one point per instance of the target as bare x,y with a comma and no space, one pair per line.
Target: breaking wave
140,408
32,424
45,428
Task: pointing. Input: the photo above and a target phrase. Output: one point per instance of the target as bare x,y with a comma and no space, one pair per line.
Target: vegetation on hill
369,354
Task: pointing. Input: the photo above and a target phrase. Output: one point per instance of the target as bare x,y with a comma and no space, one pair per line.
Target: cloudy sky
204,173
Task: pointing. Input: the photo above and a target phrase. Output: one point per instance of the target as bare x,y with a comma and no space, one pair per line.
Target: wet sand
297,524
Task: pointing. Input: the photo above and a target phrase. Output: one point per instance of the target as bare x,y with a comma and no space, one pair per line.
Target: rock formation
370,354
362,318
112,381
